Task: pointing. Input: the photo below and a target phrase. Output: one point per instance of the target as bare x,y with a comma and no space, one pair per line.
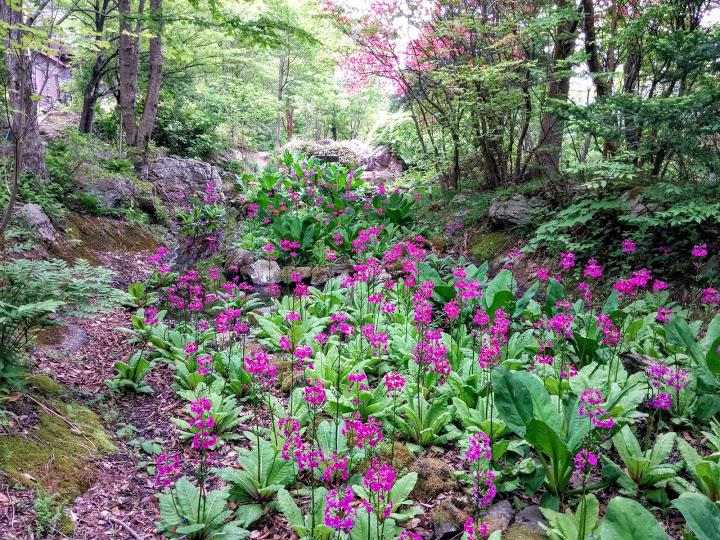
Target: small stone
531,517
434,477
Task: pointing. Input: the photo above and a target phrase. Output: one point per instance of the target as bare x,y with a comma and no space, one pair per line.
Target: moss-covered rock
59,455
518,531
487,246
45,384
448,516
434,477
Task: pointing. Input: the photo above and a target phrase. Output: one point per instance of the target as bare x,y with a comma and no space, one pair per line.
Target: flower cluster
590,407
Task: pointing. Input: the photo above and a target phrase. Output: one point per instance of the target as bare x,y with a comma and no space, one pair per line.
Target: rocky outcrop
176,180
38,222
114,192
513,211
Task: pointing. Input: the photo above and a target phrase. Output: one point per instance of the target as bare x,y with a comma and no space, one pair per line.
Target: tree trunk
551,127
289,121
279,116
22,108
90,95
152,98
128,51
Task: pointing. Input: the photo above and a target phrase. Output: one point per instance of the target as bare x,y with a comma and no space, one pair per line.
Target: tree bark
551,126
128,57
22,108
152,98
91,91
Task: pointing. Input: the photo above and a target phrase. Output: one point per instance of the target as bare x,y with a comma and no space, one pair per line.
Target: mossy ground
487,246
57,457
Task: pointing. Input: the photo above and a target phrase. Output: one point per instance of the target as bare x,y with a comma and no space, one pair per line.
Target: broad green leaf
701,514
626,519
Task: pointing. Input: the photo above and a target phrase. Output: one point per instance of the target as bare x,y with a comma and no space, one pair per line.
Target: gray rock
175,180
499,516
531,517
513,211
448,518
114,192
263,272
237,256
38,222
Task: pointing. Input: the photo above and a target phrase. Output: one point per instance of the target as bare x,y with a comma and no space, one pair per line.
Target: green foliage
35,292
130,376
627,520
185,514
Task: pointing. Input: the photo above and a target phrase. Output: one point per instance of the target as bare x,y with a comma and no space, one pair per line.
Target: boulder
195,249
448,518
382,159
114,192
175,180
434,477
38,222
513,211
530,518
263,272
499,516
238,257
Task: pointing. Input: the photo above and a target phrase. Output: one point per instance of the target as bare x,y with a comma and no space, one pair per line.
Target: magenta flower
542,273
315,394
394,383
628,246
611,334
481,318
661,402
590,401
167,468
592,269
475,531
659,285
710,296
484,489
567,260
379,478
663,314
585,462
452,309
269,247
699,250
479,447
339,512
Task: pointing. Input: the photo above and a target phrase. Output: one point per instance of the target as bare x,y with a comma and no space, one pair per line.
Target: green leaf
626,519
512,400
402,488
701,514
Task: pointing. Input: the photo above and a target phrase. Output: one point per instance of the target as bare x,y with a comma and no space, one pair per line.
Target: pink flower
379,478
710,296
659,285
585,461
628,246
661,402
394,382
339,512
476,531
699,250
269,247
663,314
542,273
592,269
590,401
452,310
167,468
479,447
481,318
567,260
315,394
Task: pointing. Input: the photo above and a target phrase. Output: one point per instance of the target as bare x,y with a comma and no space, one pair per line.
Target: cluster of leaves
308,211
33,294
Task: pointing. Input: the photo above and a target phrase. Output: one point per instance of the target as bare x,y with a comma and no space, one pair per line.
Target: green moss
44,383
57,457
518,531
487,246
